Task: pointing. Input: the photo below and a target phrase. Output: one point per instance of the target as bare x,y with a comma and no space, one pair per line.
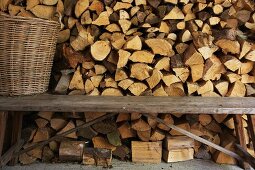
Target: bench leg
16,132
240,136
251,129
3,121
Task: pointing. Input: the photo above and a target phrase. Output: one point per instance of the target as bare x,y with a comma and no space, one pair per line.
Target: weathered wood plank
3,121
9,153
127,104
16,132
251,128
240,136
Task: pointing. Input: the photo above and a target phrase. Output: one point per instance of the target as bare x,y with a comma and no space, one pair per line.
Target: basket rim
25,19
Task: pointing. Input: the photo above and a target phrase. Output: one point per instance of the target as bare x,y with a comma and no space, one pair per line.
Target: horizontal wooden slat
145,104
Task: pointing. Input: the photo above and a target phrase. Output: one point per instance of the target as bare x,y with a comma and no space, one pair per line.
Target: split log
14,10
163,64
48,154
42,134
69,126
152,122
222,87
135,116
160,46
142,56
154,79
32,3
183,125
89,116
58,123
204,119
231,62
54,146
87,133
219,117
123,117
41,123
97,156
100,50
126,131
114,138
213,67
140,71
71,150
103,19
24,13
26,159
140,125
122,152
105,127
36,153
214,127
192,56
48,2
167,119
101,142
80,7
222,158
77,81
123,58
177,155
134,44
175,13
229,46
111,92
157,135
137,88
144,135
45,115
237,90
197,72
43,11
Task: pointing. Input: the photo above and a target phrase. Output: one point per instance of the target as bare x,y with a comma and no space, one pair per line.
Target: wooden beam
16,132
246,155
3,121
127,104
251,128
240,136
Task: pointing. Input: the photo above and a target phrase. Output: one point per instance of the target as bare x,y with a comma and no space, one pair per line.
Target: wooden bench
14,106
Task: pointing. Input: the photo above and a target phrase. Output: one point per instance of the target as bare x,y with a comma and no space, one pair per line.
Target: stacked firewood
127,136
147,47
159,48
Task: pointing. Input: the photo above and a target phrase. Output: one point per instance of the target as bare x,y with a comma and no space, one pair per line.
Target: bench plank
127,104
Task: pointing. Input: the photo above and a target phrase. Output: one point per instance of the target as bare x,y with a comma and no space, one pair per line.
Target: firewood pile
129,137
147,47
159,48
143,47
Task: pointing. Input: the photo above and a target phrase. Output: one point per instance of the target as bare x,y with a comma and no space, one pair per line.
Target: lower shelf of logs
128,137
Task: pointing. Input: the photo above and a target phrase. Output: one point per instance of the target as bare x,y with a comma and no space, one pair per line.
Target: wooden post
240,136
3,120
16,131
251,128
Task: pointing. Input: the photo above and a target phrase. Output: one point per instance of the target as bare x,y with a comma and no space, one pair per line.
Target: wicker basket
27,48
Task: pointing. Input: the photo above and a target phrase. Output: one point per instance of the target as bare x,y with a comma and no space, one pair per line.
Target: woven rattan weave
27,47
